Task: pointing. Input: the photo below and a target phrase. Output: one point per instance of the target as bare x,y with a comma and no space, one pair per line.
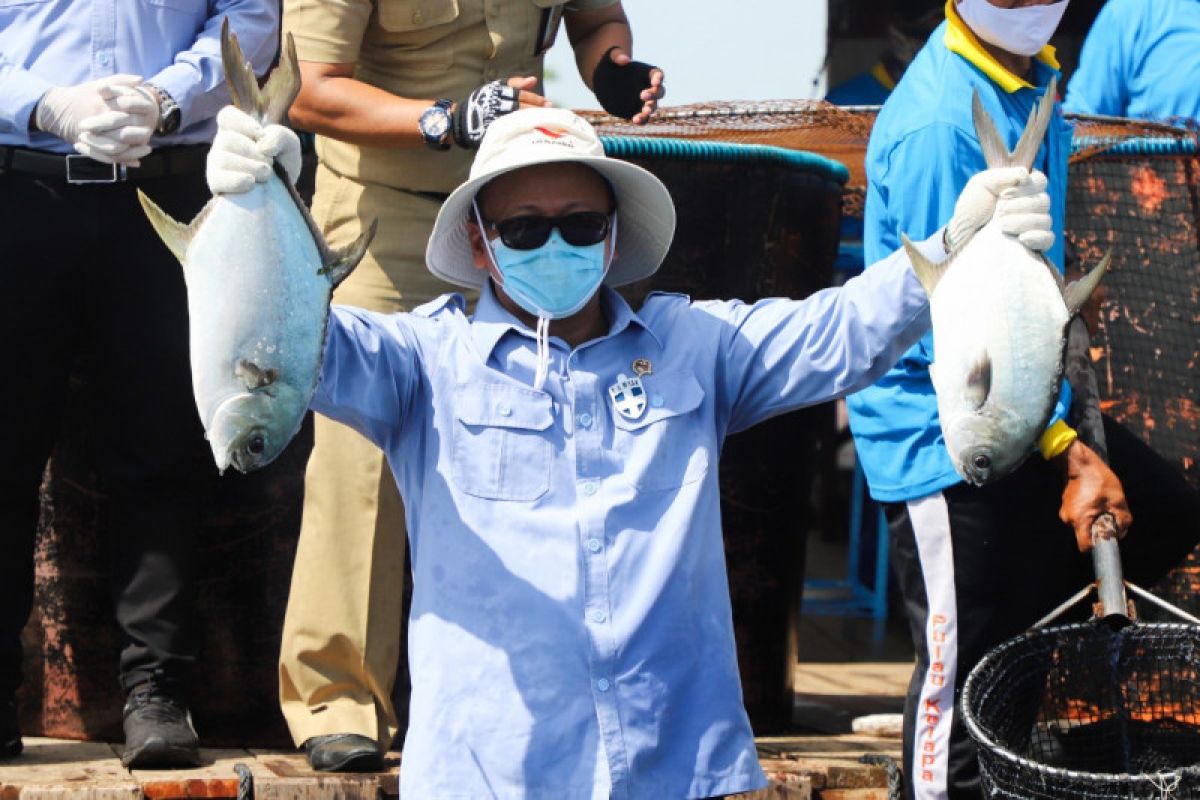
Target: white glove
121,134
1023,211
1017,199
62,109
243,150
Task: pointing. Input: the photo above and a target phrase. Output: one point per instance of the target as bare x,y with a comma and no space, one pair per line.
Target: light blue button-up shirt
174,44
571,634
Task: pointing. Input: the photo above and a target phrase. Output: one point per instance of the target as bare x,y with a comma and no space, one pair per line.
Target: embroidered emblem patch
628,396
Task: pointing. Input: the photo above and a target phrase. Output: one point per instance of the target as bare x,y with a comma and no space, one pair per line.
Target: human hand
1091,490
243,150
120,134
626,88
471,117
62,110
1016,197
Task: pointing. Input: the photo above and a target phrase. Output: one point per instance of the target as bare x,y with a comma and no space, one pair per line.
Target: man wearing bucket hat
557,451
399,94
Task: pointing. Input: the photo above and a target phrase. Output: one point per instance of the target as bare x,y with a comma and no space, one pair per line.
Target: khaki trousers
342,631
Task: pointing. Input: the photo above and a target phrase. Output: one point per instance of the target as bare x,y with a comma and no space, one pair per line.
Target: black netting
1083,712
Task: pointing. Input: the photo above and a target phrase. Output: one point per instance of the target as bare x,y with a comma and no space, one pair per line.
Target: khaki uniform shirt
422,49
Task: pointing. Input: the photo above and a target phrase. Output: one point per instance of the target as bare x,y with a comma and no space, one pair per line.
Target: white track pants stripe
935,710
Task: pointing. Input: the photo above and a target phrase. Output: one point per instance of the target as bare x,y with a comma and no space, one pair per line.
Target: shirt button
504,410
594,545
589,488
585,420
656,401
603,684
598,616
102,58
418,17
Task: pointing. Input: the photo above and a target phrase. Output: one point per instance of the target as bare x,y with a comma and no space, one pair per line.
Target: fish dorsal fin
175,235
335,264
254,376
928,273
1076,293
270,104
979,381
995,152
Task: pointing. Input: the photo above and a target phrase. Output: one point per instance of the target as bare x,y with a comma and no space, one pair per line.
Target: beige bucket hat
531,136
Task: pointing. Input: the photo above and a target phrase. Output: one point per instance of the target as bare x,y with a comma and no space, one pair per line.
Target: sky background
714,50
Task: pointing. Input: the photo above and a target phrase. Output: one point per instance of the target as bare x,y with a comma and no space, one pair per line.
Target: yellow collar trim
961,40
881,74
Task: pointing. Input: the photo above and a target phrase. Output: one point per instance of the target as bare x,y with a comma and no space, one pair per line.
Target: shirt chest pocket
501,449
667,446
414,34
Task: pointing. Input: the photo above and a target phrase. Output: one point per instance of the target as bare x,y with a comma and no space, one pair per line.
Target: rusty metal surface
247,541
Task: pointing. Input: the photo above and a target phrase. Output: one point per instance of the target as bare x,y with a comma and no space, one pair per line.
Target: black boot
343,752
10,734
158,730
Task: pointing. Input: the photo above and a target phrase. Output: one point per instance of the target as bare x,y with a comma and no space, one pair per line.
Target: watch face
435,122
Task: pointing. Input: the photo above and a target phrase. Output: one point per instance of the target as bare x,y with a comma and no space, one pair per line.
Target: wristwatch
168,110
435,125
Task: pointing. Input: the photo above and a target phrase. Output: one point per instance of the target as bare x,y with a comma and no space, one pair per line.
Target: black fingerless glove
619,88
481,108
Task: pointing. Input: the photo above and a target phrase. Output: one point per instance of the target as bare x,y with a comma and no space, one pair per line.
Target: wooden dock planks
799,768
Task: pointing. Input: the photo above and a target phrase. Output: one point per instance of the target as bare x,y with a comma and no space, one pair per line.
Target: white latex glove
62,109
978,203
243,150
122,133
1023,211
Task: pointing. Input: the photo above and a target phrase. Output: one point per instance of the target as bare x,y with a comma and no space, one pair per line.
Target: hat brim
645,211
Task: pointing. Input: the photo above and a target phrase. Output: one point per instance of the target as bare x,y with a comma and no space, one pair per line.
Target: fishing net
1134,186
1087,712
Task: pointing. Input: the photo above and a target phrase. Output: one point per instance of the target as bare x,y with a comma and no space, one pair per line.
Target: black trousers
977,566
85,276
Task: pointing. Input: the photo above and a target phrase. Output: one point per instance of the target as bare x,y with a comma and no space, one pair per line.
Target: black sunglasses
580,229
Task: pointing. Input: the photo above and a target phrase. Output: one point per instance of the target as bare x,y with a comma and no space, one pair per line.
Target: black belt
79,169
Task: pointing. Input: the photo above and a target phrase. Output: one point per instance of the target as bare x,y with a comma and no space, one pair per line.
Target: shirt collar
492,320
961,40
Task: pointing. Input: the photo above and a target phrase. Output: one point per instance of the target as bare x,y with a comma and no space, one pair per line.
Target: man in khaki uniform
400,93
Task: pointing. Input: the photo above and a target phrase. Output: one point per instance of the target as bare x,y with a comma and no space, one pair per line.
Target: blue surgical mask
555,280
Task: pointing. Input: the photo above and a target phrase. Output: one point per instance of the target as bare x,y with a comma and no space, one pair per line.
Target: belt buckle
82,170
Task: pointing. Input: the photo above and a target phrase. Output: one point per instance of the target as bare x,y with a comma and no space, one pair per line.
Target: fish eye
256,445
982,462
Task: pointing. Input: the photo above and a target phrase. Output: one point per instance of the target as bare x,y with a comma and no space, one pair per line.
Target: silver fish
1000,314
259,278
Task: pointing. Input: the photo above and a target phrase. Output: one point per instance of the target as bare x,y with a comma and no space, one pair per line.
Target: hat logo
553,133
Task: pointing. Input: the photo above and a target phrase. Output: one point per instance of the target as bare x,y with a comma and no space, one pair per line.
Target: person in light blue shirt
100,98
1140,60
571,633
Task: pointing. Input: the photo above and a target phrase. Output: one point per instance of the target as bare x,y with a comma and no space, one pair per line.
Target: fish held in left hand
259,280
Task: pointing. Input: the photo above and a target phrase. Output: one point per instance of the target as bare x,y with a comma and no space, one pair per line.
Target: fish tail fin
174,234
995,152
269,105
1076,293
928,273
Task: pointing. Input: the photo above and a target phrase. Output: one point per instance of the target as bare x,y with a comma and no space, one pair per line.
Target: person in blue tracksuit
1139,60
978,565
